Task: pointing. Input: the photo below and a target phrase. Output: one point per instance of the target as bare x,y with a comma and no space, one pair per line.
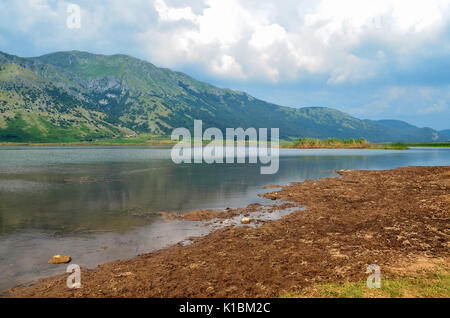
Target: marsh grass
428,144
331,143
336,143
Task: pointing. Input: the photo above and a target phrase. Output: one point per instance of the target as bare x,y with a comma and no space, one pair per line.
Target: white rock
245,220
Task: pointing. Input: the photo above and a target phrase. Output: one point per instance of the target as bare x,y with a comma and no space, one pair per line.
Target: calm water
78,200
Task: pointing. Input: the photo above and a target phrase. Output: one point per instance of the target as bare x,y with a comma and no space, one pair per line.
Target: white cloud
265,36
404,101
257,40
227,65
31,12
252,40
438,107
174,14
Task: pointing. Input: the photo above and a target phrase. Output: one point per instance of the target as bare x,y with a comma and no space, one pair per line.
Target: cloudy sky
372,59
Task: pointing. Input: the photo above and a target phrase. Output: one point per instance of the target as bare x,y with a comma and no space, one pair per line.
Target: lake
99,204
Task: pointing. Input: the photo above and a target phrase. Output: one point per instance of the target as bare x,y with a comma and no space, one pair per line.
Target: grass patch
434,284
18,133
391,146
21,129
406,145
142,139
428,144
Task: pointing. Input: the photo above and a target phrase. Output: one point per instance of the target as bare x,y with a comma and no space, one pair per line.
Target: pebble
59,259
245,220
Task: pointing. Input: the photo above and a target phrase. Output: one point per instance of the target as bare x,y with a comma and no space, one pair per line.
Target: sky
381,59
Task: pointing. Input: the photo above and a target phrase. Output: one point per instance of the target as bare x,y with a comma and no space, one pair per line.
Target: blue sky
372,59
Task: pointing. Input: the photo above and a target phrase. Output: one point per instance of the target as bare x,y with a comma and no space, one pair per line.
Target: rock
59,259
245,220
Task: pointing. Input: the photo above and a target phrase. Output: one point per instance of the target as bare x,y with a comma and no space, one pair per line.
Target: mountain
412,132
445,133
71,96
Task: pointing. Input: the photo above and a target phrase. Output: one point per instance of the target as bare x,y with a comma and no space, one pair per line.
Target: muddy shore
397,219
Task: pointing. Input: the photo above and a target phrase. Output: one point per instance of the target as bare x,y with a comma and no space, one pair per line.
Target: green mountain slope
445,133
33,109
81,96
413,133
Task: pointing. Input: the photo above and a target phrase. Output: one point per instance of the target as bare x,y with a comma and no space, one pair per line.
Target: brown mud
209,214
392,218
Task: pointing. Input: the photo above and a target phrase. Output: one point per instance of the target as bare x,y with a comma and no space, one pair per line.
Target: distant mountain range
74,96
445,133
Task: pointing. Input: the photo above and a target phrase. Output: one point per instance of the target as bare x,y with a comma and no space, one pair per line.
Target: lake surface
98,204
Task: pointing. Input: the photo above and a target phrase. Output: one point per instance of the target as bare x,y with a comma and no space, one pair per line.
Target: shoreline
385,217
283,145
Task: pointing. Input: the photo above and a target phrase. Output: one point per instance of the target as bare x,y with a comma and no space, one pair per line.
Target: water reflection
79,189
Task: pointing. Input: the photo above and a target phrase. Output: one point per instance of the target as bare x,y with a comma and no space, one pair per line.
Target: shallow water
78,200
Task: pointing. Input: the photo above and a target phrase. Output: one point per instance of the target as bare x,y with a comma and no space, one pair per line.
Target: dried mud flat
397,219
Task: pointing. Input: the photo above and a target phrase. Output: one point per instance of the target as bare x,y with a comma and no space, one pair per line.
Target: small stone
59,259
245,220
